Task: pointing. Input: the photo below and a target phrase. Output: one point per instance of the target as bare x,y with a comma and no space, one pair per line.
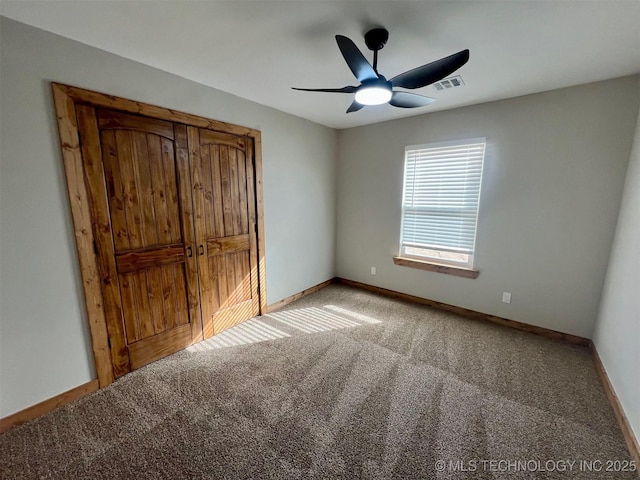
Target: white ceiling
259,49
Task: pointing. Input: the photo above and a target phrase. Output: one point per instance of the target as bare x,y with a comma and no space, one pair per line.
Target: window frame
434,263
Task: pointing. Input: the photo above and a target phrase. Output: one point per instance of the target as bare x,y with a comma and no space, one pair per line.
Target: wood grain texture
236,243
232,316
243,186
217,229
211,201
83,233
220,138
198,161
34,411
256,151
134,260
182,308
170,296
109,101
187,222
146,163
108,119
159,346
134,289
253,199
545,332
235,191
171,189
434,267
160,188
143,307
101,222
225,186
221,185
632,441
142,181
115,190
297,296
133,225
155,288
156,299
214,279
129,308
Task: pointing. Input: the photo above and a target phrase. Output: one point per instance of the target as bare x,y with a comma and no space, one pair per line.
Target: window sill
436,267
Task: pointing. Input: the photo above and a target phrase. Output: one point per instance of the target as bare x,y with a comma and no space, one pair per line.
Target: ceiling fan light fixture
373,95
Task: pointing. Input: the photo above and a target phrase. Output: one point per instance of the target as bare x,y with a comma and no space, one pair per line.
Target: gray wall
554,171
44,344
554,175
617,335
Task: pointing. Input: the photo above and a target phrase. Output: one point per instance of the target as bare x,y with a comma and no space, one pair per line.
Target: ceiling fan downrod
376,39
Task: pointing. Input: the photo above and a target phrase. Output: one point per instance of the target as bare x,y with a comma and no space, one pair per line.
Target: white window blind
440,201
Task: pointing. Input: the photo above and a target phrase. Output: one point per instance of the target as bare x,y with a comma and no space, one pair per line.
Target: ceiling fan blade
409,100
431,72
359,65
348,89
354,107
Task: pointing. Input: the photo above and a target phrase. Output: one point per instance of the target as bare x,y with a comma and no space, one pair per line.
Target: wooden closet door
225,220
138,176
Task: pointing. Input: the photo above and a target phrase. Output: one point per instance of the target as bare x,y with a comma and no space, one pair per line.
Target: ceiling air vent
450,82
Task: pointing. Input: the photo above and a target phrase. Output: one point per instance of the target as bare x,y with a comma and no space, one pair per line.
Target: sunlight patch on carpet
314,319
251,331
356,315
305,320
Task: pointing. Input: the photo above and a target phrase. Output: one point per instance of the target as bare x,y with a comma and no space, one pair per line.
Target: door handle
201,250
189,252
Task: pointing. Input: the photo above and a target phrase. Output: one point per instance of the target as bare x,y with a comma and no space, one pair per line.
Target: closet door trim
66,99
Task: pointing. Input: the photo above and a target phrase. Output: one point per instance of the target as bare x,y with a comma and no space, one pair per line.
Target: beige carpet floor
342,384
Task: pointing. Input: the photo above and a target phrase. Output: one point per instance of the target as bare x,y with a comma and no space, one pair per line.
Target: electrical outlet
373,270
506,297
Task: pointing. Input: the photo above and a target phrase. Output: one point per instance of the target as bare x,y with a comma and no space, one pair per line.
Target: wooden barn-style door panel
224,207
167,212
138,174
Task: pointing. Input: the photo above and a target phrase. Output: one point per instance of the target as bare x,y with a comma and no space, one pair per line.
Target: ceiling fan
375,89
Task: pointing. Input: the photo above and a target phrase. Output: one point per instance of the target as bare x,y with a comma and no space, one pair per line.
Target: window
440,202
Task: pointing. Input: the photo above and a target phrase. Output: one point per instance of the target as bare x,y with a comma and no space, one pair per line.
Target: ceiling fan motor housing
376,38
